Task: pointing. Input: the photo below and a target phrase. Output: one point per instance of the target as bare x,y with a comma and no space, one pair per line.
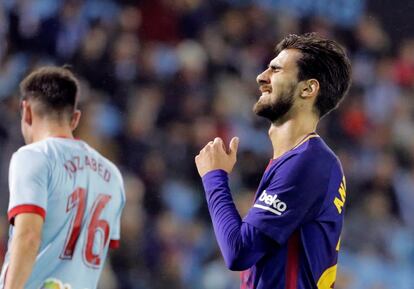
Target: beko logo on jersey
274,205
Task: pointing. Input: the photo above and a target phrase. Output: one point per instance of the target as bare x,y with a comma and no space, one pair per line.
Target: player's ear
310,88
27,112
74,122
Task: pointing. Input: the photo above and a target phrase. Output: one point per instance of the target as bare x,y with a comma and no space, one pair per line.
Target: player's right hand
214,156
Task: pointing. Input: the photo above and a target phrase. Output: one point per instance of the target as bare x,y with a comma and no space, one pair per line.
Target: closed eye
275,68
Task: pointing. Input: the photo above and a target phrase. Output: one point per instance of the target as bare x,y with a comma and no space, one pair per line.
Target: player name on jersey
79,163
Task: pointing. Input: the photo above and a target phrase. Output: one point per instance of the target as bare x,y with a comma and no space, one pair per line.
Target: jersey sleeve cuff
25,209
114,244
213,179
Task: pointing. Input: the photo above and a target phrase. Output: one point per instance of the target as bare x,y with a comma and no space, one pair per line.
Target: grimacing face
278,85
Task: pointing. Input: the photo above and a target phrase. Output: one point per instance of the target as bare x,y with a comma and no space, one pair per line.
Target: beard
277,109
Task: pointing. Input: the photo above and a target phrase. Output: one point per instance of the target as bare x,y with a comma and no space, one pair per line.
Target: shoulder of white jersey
48,146
35,149
39,146
28,157
109,163
116,171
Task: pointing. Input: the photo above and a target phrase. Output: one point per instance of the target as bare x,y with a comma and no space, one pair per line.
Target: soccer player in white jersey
65,198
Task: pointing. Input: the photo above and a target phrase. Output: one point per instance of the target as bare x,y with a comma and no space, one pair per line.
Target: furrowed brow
274,66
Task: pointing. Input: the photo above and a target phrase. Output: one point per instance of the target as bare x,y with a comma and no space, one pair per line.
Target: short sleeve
116,228
293,196
28,182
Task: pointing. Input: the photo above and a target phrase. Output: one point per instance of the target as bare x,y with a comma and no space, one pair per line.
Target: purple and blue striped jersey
291,235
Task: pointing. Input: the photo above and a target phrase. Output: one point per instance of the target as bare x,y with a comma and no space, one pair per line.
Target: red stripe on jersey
246,280
114,244
66,137
25,209
292,264
268,165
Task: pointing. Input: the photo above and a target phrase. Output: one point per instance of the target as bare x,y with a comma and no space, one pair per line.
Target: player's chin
264,110
260,106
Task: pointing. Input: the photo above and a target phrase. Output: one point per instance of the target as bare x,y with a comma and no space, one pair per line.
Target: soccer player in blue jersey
65,198
291,235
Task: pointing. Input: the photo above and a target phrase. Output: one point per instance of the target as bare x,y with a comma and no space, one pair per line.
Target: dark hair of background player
324,60
54,90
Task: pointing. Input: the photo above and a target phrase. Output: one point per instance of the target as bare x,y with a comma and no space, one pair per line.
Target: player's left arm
24,247
241,244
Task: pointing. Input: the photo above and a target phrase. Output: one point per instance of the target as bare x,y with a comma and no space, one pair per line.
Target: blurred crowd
161,78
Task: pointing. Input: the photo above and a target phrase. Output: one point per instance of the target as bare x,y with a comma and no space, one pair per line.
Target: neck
46,129
285,135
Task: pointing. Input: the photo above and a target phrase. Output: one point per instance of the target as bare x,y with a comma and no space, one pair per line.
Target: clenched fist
215,156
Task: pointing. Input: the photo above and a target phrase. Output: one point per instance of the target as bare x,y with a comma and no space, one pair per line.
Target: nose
263,78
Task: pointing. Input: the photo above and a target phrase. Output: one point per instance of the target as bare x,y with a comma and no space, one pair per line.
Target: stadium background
160,78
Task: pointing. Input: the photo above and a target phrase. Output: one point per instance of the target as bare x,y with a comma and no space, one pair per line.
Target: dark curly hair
324,60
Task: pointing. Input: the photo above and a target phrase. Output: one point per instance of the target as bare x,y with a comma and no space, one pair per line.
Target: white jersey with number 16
80,195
